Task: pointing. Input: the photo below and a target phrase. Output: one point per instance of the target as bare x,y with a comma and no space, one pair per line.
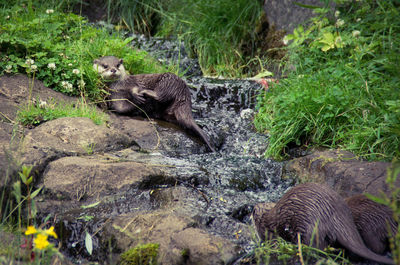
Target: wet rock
181,242
342,171
69,137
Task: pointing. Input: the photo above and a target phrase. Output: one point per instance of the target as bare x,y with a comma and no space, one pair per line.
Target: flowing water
229,181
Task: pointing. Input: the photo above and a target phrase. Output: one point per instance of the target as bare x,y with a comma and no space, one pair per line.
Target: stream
226,184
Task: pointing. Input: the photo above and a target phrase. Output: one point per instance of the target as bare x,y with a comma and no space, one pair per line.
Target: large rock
181,242
342,171
286,15
81,177
69,137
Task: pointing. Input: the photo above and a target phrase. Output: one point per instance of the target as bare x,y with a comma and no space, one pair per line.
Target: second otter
163,96
312,206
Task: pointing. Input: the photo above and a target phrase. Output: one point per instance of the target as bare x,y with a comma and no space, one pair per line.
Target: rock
81,177
181,242
342,171
286,15
69,137
17,88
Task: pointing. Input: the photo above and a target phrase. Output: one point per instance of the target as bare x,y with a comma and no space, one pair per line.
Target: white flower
358,19
76,71
7,17
81,84
51,66
29,61
70,64
356,33
337,13
66,85
8,69
339,23
285,40
50,11
42,104
34,67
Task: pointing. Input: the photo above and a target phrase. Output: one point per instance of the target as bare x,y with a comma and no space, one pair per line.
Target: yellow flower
41,241
30,230
51,232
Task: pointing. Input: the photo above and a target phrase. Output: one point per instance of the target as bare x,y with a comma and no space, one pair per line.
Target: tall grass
344,92
213,30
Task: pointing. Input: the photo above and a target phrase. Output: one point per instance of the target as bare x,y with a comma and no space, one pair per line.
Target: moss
140,255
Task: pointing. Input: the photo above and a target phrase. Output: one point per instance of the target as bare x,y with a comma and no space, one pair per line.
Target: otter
316,212
162,96
374,222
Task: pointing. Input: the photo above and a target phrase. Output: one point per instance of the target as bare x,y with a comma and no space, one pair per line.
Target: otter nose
113,70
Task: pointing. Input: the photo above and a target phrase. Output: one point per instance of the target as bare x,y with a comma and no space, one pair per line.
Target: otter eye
118,65
105,66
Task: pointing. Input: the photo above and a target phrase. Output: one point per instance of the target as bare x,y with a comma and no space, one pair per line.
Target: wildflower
8,69
66,85
41,241
81,84
50,11
29,61
76,71
7,17
337,13
70,64
285,40
339,23
51,66
42,105
33,67
30,230
356,33
358,19
51,232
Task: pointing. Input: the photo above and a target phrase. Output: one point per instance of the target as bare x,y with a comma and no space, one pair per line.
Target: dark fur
163,96
307,205
372,220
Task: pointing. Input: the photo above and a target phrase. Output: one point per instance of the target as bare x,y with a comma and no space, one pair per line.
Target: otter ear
96,61
121,61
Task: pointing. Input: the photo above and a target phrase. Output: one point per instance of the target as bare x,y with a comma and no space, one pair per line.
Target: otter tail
357,246
185,119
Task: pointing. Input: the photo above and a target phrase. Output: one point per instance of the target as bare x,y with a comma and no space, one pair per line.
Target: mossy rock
141,255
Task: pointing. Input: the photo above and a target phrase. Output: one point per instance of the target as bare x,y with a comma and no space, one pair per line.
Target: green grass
39,113
214,31
344,91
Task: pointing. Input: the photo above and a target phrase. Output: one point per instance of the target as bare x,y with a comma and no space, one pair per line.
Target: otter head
263,220
110,68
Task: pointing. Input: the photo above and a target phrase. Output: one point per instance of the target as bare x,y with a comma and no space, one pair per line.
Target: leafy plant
344,90
141,254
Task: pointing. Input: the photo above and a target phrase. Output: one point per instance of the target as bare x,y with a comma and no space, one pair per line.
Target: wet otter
163,96
372,220
308,207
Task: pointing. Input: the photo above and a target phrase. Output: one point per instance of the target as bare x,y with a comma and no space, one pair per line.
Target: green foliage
59,48
284,252
214,30
42,112
344,90
141,255
393,201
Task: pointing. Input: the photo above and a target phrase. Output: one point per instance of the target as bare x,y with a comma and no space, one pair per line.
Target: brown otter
372,220
316,212
163,96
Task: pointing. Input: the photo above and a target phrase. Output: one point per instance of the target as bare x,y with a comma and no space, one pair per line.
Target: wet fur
372,221
163,96
305,206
